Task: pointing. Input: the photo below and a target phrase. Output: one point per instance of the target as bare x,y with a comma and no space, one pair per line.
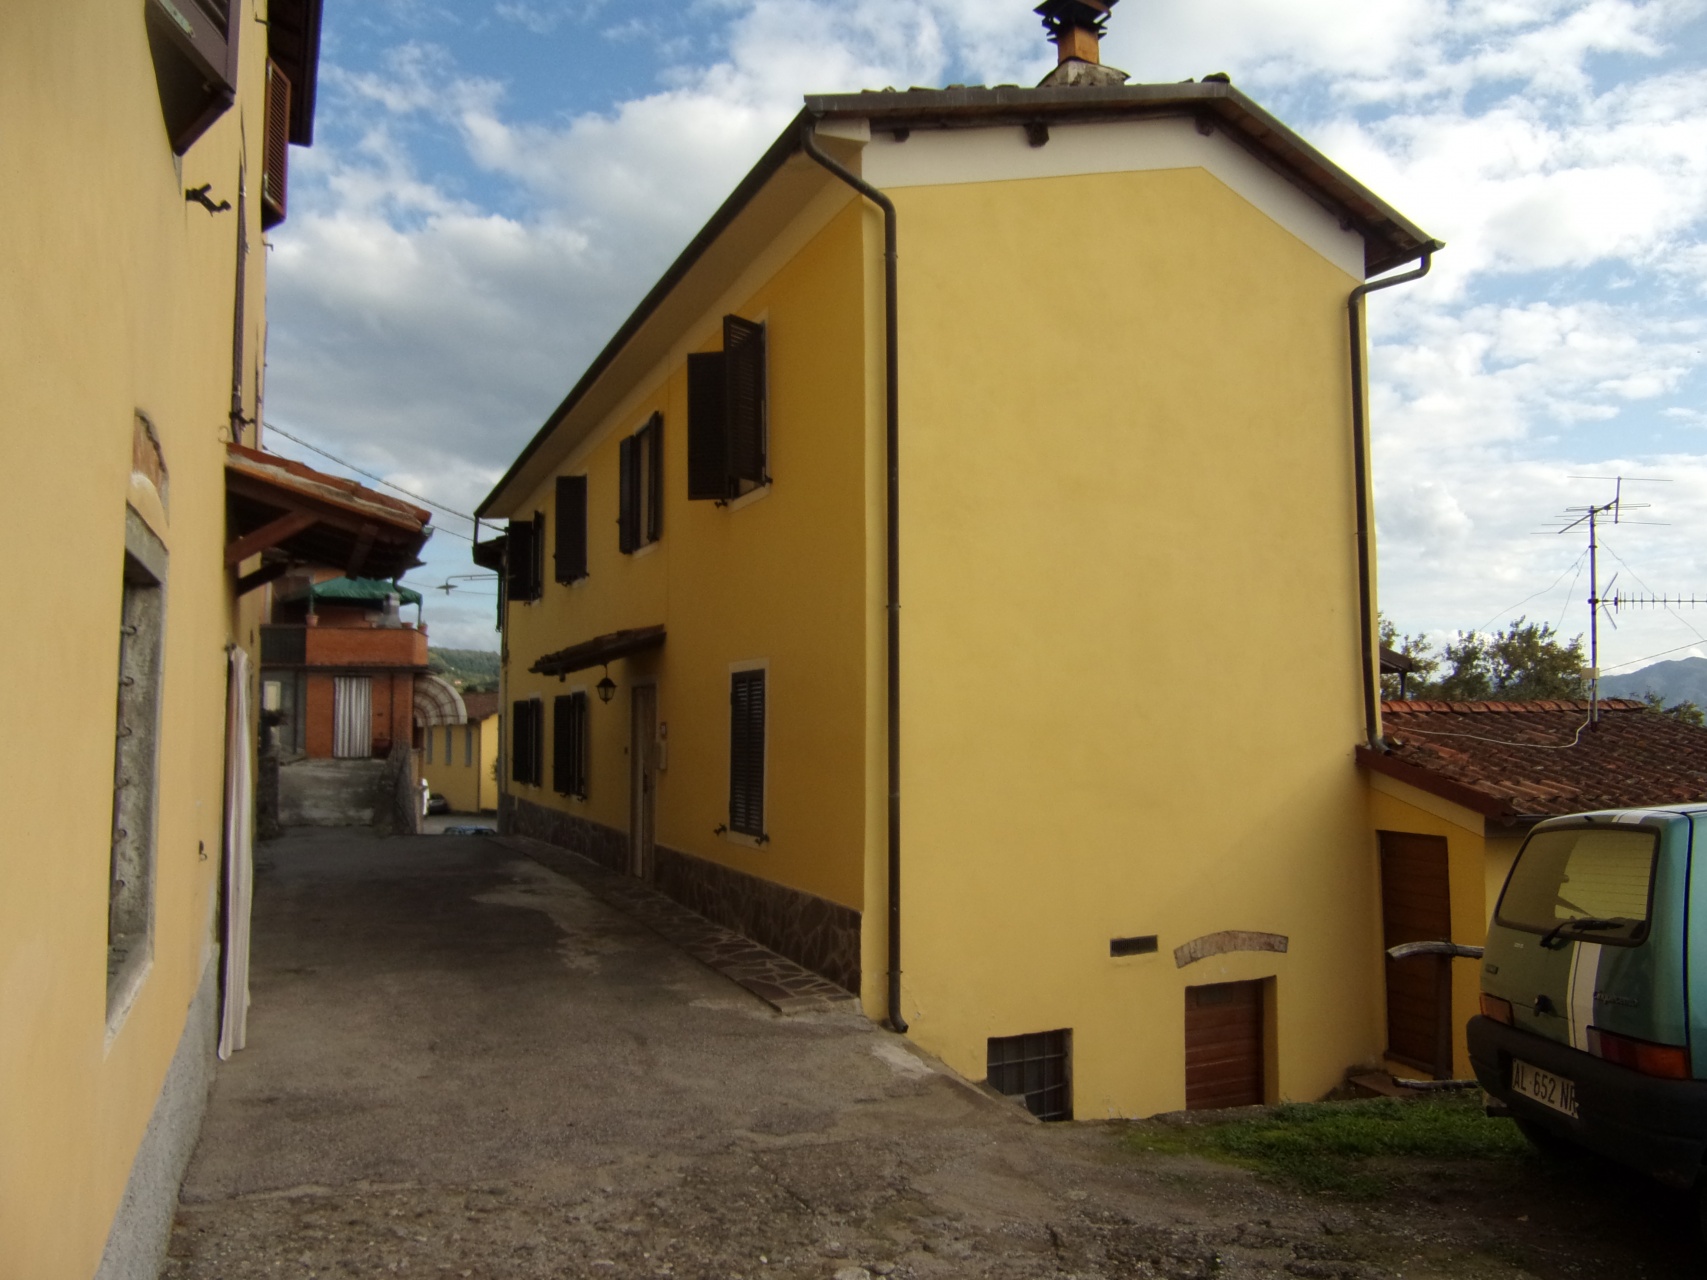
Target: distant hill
471,670
1681,680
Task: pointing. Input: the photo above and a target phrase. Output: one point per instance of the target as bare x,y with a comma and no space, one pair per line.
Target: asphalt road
460,1064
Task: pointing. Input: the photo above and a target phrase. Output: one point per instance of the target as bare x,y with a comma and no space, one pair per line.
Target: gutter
892,535
1360,469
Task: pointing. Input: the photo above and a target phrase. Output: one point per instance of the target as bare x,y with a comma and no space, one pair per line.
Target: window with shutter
520,737
707,428
652,509
193,44
744,375
523,557
527,741
640,509
628,497
571,558
747,753
728,432
569,745
275,149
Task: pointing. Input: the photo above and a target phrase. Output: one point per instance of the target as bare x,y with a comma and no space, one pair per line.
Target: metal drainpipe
1360,466
892,437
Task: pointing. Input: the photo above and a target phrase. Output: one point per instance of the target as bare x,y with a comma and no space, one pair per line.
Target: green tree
1418,649
1523,662
1687,712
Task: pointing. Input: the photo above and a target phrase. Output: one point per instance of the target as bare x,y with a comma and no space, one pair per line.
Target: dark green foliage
1687,712
1523,662
470,670
1326,1146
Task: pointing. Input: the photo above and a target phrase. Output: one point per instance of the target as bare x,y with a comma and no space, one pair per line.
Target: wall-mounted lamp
606,687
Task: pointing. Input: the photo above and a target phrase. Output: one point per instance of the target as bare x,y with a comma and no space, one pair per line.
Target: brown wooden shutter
521,741
193,44
522,557
578,747
655,478
628,497
744,366
562,761
571,516
275,148
747,753
708,451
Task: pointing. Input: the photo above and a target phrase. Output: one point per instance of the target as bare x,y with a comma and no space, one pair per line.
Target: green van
1594,990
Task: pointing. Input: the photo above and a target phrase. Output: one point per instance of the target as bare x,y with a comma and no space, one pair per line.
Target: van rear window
1582,882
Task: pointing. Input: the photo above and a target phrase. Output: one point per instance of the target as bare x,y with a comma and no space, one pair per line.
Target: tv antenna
1593,515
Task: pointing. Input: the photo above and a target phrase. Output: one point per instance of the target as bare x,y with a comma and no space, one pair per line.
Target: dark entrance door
1416,907
1223,1045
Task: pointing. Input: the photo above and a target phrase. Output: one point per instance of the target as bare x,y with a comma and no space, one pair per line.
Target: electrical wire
1475,737
1544,590
324,453
1645,587
1638,661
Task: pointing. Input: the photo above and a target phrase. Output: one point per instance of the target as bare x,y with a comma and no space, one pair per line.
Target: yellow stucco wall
1473,860
1129,607
118,299
777,578
465,778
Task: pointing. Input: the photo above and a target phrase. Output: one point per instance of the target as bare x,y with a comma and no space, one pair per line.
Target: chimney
1076,28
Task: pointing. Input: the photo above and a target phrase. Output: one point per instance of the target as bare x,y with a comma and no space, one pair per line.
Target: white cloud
427,313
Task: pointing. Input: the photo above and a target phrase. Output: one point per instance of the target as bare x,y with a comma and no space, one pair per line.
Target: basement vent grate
1142,945
1035,1068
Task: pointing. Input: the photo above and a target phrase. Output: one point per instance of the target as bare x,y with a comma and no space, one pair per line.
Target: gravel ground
460,1064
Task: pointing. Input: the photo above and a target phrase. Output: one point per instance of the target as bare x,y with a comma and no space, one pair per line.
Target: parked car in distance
437,803
1593,1024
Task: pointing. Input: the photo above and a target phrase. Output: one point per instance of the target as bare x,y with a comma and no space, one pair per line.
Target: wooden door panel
1416,906
1223,1045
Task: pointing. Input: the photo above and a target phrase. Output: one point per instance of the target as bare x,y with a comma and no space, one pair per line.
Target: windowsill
751,842
645,549
748,499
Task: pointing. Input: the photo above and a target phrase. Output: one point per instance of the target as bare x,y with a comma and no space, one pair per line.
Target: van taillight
1495,1008
1667,1061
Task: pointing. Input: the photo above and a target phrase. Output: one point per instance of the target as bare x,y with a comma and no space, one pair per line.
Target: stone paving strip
781,983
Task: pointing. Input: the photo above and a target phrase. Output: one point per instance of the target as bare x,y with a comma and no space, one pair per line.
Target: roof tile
1542,758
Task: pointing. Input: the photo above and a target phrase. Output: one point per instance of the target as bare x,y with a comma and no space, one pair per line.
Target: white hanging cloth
239,855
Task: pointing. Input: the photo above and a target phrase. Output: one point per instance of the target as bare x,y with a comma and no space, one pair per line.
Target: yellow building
144,149
921,524
1454,789
460,759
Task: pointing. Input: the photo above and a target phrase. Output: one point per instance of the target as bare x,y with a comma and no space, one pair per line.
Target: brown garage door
1223,1045
1415,907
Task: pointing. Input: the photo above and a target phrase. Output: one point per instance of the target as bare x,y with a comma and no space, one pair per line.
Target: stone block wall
814,932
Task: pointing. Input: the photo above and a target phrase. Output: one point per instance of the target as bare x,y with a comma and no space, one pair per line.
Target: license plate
1544,1087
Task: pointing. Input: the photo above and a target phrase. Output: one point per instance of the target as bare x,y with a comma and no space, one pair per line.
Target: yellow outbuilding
886,587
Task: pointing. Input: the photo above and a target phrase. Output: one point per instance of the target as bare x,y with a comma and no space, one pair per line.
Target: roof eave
1271,141
772,160
1392,238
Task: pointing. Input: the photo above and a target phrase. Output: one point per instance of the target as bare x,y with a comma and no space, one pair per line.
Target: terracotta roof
337,522
1519,761
480,705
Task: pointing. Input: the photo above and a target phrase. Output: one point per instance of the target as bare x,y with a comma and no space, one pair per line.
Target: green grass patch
1327,1146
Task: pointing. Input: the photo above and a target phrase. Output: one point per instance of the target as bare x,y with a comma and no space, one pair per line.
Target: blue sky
495,183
